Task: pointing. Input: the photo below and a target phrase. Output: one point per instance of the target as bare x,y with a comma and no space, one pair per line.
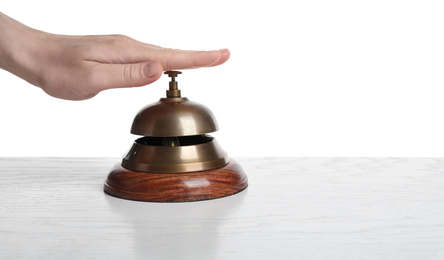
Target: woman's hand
79,67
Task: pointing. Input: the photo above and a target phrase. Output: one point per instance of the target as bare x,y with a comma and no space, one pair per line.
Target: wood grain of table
294,208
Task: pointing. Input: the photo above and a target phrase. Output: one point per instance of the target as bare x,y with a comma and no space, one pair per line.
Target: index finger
172,59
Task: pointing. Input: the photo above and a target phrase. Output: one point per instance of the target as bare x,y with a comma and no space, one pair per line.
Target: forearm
17,43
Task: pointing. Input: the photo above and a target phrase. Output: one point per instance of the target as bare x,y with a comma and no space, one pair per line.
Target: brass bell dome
175,136
175,116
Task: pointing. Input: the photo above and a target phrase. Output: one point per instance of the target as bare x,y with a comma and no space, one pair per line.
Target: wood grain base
176,187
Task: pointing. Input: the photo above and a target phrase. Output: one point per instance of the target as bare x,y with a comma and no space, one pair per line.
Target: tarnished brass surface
175,136
175,159
174,117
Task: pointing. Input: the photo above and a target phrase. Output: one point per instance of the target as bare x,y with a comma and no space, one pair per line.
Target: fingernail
214,53
215,56
225,52
151,69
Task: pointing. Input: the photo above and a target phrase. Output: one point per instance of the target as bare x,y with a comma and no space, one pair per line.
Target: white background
306,78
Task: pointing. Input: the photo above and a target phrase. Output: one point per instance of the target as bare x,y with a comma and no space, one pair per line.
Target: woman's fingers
121,49
179,59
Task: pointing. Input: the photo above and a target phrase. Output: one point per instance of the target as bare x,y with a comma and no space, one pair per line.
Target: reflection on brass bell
175,160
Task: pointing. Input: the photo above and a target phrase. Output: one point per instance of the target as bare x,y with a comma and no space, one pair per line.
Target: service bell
175,160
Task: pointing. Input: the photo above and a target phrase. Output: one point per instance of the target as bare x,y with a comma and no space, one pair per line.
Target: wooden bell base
176,187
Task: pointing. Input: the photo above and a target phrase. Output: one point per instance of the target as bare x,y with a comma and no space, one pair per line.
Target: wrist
19,45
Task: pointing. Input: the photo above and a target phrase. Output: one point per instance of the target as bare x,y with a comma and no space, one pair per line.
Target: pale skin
79,67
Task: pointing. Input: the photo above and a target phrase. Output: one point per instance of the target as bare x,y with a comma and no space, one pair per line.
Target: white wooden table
294,208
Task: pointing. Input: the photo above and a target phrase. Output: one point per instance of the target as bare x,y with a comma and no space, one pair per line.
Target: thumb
108,76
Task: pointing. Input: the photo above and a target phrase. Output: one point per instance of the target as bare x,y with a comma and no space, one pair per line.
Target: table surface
294,208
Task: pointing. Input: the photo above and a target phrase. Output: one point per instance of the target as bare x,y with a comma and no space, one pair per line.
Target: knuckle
110,40
118,39
194,62
167,53
167,56
129,73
